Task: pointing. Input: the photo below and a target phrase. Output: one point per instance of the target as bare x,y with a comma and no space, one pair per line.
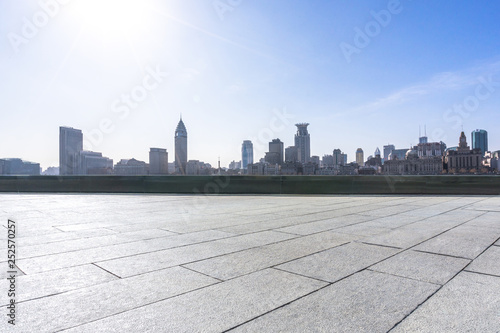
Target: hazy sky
362,73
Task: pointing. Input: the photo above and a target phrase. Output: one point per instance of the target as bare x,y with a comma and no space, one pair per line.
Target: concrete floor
173,263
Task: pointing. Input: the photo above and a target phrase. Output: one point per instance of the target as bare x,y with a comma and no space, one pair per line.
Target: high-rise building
16,166
275,154
158,161
480,140
360,158
387,151
180,148
338,157
70,145
303,143
246,153
463,159
315,160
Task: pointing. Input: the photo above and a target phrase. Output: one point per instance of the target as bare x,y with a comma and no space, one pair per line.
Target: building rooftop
179,263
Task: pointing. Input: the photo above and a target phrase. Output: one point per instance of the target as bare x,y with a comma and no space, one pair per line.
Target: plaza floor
176,263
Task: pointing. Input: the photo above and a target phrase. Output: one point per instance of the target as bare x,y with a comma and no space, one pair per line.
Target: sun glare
113,18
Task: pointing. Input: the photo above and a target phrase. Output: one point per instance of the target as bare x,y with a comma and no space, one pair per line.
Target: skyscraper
246,153
275,154
70,145
303,143
480,140
180,148
387,150
360,158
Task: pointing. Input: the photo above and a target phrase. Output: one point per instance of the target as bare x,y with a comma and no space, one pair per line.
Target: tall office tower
158,161
360,157
480,140
70,145
246,153
303,143
275,154
387,150
180,148
338,157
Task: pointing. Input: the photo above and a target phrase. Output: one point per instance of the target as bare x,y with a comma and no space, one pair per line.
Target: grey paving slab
336,263
393,221
244,262
324,225
411,234
420,266
462,241
212,309
75,258
365,302
132,265
362,229
488,262
58,281
468,303
81,306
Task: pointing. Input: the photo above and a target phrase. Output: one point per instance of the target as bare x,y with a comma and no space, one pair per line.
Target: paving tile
411,234
58,281
75,258
212,309
324,225
336,263
81,306
468,303
244,262
148,262
362,229
393,221
365,302
424,267
463,241
488,262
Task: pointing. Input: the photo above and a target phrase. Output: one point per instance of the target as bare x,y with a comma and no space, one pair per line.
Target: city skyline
363,74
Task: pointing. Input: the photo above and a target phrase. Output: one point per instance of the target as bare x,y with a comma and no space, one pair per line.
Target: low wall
449,184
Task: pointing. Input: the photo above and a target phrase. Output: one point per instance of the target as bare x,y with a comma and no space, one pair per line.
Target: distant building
463,159
291,154
235,165
375,162
387,151
315,160
180,148
338,157
360,160
16,166
70,145
196,168
51,171
131,167
430,149
291,168
246,153
275,154
158,161
303,143
399,154
480,140
414,165
327,161
92,163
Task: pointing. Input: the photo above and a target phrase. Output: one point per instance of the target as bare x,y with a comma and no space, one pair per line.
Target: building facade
158,161
131,167
181,148
291,154
70,145
92,163
16,166
303,143
412,164
463,159
387,151
246,154
275,154
480,140
360,157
